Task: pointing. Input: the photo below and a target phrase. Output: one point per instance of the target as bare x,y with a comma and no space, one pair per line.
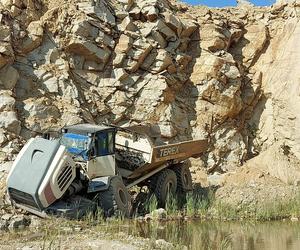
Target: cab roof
85,129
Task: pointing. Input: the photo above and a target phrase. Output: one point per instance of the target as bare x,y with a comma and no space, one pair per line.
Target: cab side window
105,143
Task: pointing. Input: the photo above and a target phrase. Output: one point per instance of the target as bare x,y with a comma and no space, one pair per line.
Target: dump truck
89,166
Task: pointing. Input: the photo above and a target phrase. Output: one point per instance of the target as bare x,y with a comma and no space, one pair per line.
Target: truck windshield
76,144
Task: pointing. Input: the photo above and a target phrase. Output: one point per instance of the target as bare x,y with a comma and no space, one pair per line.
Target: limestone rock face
230,75
278,110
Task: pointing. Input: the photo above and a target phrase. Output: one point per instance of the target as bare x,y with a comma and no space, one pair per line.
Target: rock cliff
231,75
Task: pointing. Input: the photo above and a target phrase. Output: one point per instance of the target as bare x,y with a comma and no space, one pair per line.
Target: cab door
103,163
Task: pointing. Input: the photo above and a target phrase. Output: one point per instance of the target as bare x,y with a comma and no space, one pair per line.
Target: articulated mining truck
93,166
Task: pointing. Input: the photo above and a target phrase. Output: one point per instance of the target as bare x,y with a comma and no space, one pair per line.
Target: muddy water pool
222,235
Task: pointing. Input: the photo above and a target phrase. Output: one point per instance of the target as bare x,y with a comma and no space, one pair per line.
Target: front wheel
116,200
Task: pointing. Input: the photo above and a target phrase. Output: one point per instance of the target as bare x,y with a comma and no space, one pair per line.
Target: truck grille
22,198
64,177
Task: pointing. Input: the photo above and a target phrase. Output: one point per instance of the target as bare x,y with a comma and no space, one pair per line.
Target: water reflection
224,235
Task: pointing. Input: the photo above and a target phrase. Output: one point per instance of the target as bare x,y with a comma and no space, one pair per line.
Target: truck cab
93,145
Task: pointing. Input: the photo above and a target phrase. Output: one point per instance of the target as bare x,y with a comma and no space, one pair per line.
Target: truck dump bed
139,151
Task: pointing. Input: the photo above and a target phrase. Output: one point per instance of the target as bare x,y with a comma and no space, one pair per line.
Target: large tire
184,178
115,201
166,184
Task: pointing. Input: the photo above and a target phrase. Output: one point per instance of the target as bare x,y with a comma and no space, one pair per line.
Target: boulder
157,36
47,80
149,96
227,102
99,9
212,38
206,67
18,222
150,59
85,29
162,28
136,56
163,61
5,33
6,54
35,36
150,12
10,122
88,76
68,90
173,22
119,102
15,11
8,77
51,85
135,13
165,129
254,40
251,89
229,149
7,102
118,60
52,56
89,50
119,74
127,24
40,108
183,60
120,14
105,39
124,44
188,27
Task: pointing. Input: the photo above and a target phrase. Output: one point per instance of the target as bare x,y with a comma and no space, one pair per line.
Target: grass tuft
151,204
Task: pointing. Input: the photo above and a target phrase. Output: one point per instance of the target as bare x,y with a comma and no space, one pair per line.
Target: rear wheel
166,184
115,201
184,178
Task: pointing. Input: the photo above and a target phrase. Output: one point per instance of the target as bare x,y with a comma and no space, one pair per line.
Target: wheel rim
170,186
185,179
122,196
